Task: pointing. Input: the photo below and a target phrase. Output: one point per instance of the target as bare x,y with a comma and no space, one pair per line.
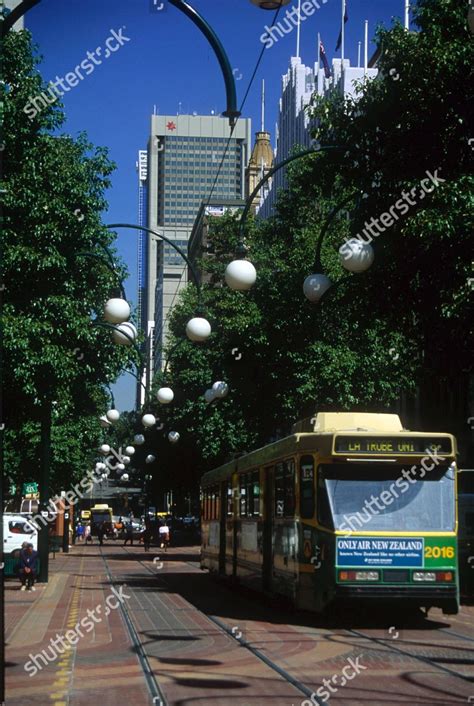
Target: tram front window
378,499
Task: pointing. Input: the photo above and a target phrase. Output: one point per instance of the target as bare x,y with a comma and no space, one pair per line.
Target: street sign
30,488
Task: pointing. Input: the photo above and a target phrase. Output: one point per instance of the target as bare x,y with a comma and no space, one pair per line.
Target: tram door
268,529
222,526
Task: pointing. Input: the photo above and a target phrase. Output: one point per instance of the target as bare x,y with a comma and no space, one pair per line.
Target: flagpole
319,51
407,14
358,55
342,30
298,30
366,48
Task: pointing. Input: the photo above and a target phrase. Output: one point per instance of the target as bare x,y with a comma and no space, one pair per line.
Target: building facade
294,125
184,156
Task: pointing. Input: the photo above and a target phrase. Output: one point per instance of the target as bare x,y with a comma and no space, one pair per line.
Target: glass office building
184,155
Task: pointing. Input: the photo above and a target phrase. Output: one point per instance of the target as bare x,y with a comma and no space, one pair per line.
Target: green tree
402,324
54,188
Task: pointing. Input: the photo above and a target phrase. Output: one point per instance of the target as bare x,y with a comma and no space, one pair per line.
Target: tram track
426,660
156,693
283,673
306,691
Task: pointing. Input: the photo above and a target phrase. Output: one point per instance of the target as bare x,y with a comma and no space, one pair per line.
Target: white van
16,530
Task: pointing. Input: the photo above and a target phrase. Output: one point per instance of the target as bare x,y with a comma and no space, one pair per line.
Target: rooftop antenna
366,48
407,14
154,109
358,55
263,105
298,31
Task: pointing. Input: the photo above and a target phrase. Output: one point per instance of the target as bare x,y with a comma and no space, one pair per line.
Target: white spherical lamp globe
209,396
113,415
240,275
198,329
124,476
125,334
315,286
116,311
130,450
121,466
173,436
148,420
104,449
356,256
150,458
104,422
139,439
126,460
165,395
221,389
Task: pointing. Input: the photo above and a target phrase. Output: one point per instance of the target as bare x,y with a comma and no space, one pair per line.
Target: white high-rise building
293,127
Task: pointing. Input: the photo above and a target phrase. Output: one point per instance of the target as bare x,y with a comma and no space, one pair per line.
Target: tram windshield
378,499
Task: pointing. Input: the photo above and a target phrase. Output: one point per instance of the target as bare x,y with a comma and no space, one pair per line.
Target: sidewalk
101,668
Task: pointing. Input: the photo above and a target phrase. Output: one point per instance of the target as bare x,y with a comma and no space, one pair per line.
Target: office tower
293,123
184,155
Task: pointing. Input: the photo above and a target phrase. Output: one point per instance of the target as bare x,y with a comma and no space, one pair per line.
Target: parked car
16,530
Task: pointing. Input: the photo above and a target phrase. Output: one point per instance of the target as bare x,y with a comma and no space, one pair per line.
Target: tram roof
319,429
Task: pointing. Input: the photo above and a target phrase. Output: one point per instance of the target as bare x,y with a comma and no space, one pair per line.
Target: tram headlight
367,575
424,576
359,576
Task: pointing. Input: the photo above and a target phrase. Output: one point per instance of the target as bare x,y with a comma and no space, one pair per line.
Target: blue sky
168,64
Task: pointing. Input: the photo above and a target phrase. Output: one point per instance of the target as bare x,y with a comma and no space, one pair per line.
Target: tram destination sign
392,445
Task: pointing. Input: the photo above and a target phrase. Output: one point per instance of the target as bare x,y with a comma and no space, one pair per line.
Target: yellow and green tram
349,506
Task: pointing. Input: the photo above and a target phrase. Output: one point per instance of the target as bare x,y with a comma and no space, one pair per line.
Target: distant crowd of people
150,532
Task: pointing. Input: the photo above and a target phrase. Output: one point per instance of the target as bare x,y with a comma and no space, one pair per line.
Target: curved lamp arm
109,389
231,111
271,172
170,242
105,324
138,379
109,266
324,230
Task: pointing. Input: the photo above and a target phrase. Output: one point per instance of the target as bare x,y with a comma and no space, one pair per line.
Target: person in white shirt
164,535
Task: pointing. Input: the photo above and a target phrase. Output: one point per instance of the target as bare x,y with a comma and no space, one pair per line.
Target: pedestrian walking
128,533
87,534
100,533
147,536
28,568
80,532
164,536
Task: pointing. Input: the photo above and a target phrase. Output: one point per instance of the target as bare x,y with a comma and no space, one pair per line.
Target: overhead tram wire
244,100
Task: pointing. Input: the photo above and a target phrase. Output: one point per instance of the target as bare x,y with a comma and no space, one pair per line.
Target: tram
349,506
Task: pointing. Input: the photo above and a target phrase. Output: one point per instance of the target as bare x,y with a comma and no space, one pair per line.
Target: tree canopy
375,336
54,192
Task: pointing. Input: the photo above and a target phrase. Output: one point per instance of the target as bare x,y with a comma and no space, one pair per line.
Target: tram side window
290,498
279,491
307,487
285,489
211,503
230,500
250,494
256,493
324,509
243,496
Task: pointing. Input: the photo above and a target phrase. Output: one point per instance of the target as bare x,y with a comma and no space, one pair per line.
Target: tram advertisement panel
402,552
